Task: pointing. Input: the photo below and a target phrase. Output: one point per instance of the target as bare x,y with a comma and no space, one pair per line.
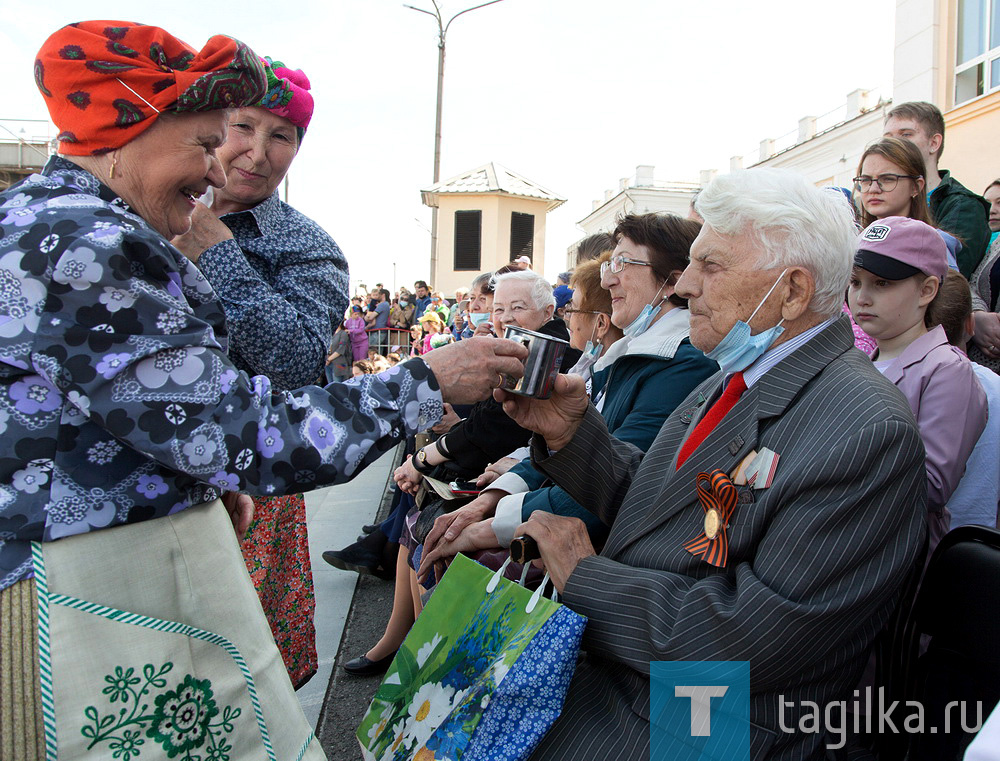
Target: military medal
712,523
718,498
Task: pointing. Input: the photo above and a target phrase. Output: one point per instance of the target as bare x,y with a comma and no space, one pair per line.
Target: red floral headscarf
105,82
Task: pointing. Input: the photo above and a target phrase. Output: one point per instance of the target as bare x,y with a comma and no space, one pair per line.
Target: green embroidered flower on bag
119,685
181,718
127,746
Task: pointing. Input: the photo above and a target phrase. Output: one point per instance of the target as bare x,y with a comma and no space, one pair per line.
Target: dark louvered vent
468,239
522,235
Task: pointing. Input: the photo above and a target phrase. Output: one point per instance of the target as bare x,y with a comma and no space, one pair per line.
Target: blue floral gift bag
481,676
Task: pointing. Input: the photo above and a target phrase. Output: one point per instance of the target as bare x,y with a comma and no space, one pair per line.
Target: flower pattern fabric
277,555
283,285
78,373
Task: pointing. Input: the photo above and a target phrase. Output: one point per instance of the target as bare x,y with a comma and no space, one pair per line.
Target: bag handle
538,593
495,579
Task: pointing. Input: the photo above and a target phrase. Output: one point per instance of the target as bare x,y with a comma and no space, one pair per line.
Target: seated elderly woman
521,298
637,383
124,420
282,282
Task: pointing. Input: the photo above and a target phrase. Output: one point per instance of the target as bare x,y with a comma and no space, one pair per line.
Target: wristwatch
420,462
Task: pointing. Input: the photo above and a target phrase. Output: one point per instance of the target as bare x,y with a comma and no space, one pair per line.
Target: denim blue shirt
118,402
283,284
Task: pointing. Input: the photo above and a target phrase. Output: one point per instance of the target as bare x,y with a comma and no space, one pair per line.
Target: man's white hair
541,289
794,223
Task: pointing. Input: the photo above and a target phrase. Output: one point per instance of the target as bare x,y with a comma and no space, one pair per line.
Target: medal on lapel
718,499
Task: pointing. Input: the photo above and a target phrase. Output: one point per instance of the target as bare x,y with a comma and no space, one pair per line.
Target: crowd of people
822,361
390,326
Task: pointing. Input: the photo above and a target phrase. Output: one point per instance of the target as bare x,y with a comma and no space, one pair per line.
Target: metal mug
545,356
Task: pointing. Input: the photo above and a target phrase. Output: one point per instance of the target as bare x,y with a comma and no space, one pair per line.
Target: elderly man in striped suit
812,499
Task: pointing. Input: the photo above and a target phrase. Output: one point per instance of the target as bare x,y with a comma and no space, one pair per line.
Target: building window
468,240
977,45
522,234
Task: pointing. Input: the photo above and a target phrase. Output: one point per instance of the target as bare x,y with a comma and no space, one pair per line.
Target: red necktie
734,390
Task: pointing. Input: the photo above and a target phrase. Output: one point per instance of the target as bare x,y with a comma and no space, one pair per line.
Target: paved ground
351,611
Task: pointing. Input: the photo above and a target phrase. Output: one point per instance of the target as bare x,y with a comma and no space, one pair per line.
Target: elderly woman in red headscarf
283,285
127,613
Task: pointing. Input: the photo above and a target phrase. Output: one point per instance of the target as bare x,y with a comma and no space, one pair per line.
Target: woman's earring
111,171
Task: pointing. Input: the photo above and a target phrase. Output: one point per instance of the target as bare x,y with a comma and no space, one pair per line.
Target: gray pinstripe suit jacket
815,561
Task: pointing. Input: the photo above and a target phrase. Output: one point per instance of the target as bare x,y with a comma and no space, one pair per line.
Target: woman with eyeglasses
890,183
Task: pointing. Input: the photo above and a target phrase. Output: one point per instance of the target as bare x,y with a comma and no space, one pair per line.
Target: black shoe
361,666
356,558
367,529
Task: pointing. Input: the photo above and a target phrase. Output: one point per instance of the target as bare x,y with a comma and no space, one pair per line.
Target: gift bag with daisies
481,676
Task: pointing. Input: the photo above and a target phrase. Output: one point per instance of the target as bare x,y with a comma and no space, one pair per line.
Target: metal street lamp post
442,33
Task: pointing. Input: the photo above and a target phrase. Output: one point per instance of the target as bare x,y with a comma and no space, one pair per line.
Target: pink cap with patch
896,248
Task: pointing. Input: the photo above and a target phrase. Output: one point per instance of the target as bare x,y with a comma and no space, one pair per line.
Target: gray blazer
815,561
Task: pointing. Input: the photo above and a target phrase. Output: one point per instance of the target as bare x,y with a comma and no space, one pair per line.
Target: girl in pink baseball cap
898,269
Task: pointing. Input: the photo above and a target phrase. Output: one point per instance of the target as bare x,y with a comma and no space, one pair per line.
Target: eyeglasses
617,264
885,182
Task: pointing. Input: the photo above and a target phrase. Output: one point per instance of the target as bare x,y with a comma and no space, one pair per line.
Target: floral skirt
277,556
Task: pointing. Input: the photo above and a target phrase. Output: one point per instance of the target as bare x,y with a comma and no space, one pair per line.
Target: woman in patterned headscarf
283,284
126,612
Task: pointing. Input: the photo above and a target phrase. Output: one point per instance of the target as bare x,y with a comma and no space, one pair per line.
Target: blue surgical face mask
404,303
738,350
641,324
478,318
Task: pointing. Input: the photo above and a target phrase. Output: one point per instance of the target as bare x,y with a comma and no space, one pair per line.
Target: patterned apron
153,645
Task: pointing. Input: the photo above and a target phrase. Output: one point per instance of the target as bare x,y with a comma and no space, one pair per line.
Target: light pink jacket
948,401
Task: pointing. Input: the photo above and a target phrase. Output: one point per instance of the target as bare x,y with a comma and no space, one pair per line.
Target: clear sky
571,94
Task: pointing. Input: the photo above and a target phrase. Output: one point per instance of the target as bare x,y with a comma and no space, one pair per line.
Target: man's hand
449,419
494,470
467,370
240,509
562,541
407,477
556,418
447,527
206,230
478,536
987,335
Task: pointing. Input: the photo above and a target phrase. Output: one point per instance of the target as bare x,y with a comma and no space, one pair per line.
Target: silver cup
545,356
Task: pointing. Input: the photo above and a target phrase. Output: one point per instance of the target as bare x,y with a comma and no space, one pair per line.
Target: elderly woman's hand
484,329
466,371
447,527
987,335
494,470
449,419
407,477
478,536
240,509
206,230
